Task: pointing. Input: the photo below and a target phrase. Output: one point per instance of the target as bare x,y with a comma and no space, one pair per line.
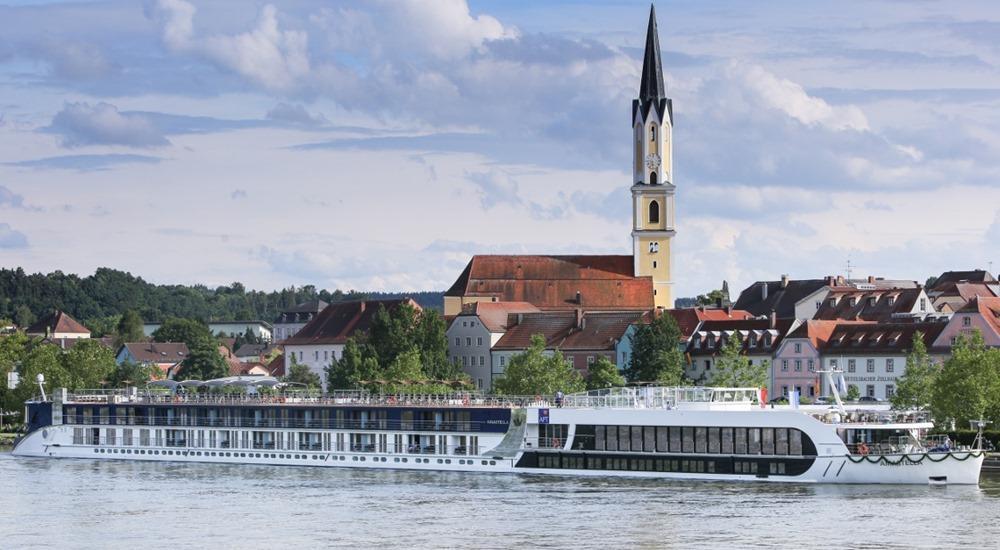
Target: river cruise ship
658,432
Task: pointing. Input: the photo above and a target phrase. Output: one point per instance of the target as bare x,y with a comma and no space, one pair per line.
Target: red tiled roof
552,282
699,340
340,321
57,321
599,329
494,315
277,366
854,338
989,308
818,332
689,318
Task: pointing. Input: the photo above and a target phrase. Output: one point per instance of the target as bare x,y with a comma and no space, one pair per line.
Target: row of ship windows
279,456
567,461
687,439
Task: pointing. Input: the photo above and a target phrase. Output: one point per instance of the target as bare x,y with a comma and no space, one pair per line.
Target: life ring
556,443
465,400
863,449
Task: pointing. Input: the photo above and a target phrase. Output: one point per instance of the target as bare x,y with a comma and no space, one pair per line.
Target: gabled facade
798,358
853,304
165,357
980,314
473,333
760,339
58,325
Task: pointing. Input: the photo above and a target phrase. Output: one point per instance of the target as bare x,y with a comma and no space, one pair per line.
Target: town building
642,280
260,329
803,298
58,325
291,320
250,353
759,337
581,336
854,304
980,314
872,356
164,357
322,340
474,332
690,318
952,290
798,358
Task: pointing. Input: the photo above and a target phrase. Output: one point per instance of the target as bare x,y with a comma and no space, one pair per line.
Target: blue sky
378,145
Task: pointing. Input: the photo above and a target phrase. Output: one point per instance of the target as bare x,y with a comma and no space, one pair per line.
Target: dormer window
852,301
872,301
892,300
833,302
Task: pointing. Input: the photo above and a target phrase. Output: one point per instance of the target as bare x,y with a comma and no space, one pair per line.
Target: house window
454,359
811,366
798,347
465,361
590,359
464,324
923,304
468,340
819,304
503,360
889,365
967,321
870,390
654,212
326,355
784,365
480,383
458,341
812,391
833,363
479,341
753,340
798,365
482,361
890,391
870,365
851,365
316,354
300,356
784,391
708,364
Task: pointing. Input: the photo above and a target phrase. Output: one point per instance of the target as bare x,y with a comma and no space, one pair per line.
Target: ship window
623,438
687,439
753,441
654,206
741,441
713,440
649,439
662,438
700,440
727,440
781,441
612,435
767,441
794,442
675,439
637,438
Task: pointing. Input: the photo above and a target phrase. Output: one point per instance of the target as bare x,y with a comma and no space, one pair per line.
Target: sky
378,145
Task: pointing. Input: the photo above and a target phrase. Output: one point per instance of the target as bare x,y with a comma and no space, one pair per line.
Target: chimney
841,281
362,306
579,319
763,290
579,298
774,319
784,281
830,280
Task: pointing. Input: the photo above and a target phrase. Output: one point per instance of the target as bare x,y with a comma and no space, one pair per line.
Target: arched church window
652,178
654,211
652,133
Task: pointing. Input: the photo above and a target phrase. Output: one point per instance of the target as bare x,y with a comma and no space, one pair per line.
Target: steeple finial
652,86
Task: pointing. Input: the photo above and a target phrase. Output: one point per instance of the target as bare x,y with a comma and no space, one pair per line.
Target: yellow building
652,174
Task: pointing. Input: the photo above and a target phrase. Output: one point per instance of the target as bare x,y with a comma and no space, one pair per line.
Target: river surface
47,503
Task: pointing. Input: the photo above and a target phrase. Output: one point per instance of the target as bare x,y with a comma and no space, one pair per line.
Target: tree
712,298
431,340
915,388
535,373
41,359
853,392
968,386
204,362
604,374
352,368
23,316
655,351
129,328
733,369
392,333
88,364
129,373
301,374
189,331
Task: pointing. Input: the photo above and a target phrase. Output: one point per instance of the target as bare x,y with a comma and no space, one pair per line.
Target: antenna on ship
979,426
41,385
834,386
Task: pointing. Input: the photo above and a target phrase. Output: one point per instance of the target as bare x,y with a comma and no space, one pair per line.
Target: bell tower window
652,179
654,207
652,133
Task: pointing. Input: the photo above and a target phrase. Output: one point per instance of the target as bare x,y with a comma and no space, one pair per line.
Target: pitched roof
236,367
779,296
157,352
253,350
57,321
851,304
860,338
553,282
971,276
818,332
340,321
569,330
303,311
494,315
689,318
277,366
758,335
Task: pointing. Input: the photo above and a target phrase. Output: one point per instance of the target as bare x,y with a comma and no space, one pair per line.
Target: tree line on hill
99,300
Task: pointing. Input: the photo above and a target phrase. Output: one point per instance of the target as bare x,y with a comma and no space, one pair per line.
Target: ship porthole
45,434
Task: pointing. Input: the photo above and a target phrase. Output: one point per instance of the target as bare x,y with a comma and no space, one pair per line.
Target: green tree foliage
655,351
915,387
853,392
109,293
604,374
88,364
712,298
102,326
204,362
129,328
300,374
42,359
533,372
968,386
432,342
353,367
735,370
189,331
129,373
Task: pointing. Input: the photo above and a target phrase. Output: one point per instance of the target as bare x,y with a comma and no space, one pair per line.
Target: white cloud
82,124
11,238
276,59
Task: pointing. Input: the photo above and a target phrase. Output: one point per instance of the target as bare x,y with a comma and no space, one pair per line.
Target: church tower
652,174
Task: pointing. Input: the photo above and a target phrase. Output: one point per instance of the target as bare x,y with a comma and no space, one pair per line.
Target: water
47,503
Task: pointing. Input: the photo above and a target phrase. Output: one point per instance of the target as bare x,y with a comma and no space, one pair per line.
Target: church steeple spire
651,87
